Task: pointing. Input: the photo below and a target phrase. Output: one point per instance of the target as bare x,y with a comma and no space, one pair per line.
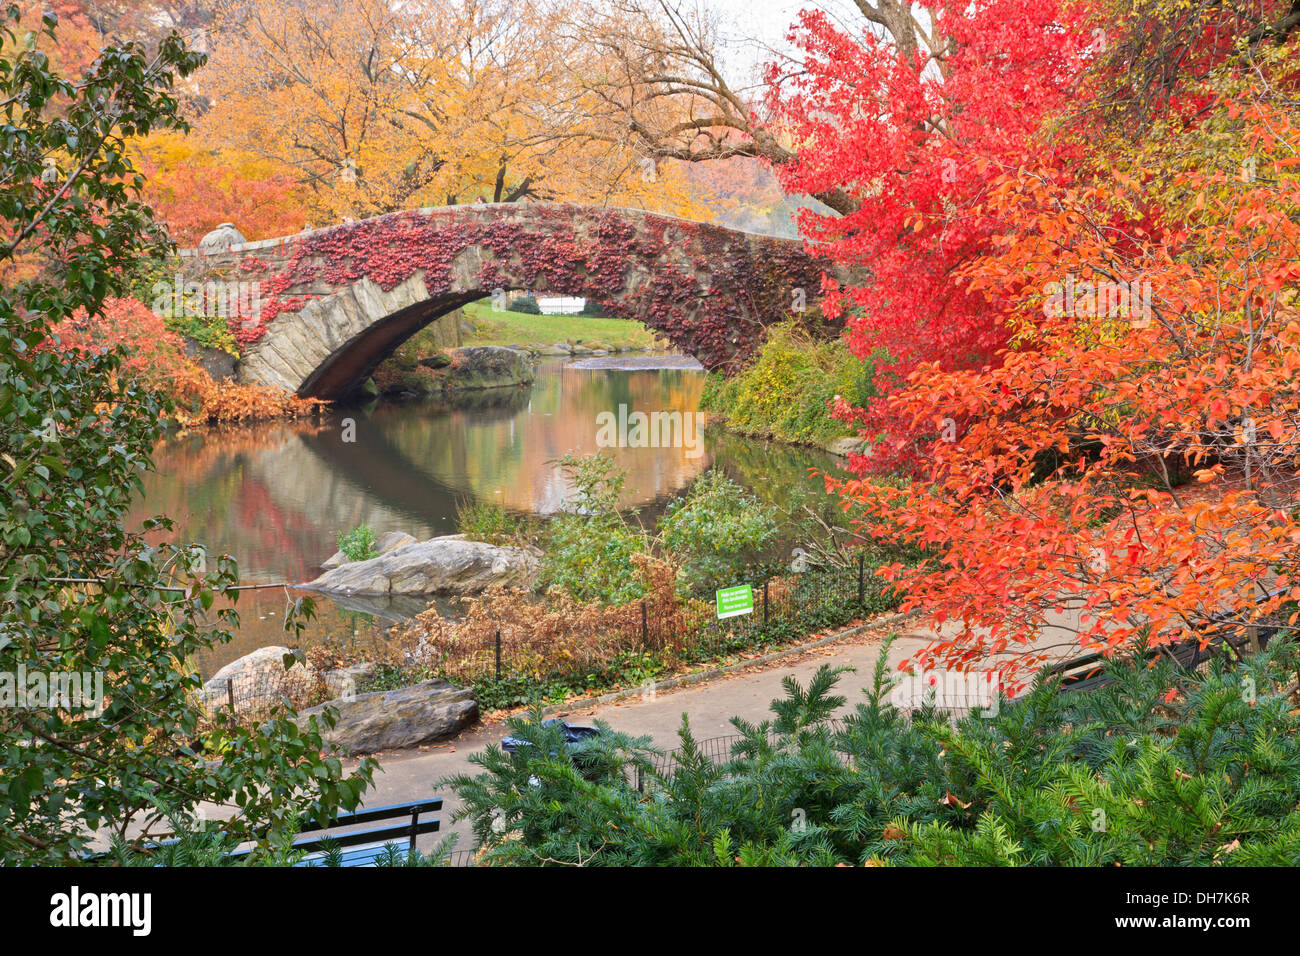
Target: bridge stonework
333,303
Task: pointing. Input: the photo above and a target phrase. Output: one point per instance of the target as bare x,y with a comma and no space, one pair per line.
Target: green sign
737,600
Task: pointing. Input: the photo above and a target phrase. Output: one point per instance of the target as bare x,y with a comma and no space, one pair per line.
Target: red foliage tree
154,351
917,141
1056,499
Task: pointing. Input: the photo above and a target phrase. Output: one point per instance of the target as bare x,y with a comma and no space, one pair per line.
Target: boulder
392,719
436,360
383,544
843,447
259,678
488,366
344,681
554,350
218,363
446,565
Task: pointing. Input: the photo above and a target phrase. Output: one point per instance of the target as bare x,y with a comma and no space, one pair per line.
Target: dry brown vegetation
537,637
203,401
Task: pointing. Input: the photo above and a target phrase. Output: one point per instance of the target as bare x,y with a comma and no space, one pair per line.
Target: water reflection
276,496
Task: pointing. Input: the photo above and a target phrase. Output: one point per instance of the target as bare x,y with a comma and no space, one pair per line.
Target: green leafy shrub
589,547
210,331
488,521
716,530
1159,767
358,544
785,392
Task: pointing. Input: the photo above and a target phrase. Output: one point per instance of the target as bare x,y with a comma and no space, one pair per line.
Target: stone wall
335,302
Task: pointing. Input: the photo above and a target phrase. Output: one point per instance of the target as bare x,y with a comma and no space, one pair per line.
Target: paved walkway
412,775
415,774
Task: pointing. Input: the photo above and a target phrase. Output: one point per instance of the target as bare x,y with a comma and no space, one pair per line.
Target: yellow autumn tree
373,107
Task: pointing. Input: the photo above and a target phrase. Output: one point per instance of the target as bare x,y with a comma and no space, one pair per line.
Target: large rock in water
488,366
843,447
447,565
386,542
392,719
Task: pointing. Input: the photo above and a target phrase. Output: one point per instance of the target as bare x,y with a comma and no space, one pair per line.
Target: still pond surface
276,496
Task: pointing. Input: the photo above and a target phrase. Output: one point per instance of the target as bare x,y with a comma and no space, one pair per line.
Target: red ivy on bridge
652,273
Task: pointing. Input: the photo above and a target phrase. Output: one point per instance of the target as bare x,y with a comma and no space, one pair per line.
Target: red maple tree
916,141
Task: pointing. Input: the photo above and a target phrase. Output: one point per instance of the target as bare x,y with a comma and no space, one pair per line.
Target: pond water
275,496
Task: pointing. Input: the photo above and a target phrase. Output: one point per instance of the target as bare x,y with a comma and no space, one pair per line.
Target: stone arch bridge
328,305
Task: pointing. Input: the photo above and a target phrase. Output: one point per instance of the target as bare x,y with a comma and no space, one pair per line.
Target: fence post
645,627
765,603
498,653
230,693
861,569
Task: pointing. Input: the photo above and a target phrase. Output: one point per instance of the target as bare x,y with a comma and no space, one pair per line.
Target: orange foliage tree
158,358
157,354
1156,338
194,189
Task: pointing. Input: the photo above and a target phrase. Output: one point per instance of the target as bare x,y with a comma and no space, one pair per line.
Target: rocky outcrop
636,363
386,542
472,368
447,565
344,681
843,447
259,678
488,366
392,719
218,363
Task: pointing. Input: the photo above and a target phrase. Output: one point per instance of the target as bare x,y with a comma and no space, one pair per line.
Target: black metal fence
785,608
255,693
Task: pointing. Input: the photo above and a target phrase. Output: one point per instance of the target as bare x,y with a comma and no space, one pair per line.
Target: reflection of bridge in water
277,496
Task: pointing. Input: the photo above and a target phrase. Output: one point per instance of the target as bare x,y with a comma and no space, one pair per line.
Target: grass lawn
518,328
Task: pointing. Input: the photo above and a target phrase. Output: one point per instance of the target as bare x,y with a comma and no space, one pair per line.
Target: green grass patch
518,328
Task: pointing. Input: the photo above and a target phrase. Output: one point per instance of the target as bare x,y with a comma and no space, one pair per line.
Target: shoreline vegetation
787,392
616,603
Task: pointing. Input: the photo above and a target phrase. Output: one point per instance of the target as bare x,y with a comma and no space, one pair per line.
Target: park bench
362,847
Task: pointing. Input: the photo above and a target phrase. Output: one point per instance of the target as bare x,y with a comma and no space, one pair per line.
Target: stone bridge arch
319,310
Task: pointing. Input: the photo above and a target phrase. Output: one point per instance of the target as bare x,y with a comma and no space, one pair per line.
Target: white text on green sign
734,601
